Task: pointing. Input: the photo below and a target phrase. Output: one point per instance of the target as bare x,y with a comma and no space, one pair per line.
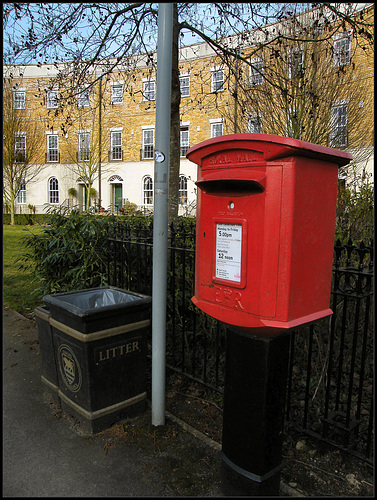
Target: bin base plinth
100,420
238,482
52,389
49,375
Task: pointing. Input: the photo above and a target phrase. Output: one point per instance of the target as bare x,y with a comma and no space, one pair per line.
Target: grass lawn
17,283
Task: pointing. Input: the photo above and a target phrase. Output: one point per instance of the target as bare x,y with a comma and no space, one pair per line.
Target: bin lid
273,147
92,300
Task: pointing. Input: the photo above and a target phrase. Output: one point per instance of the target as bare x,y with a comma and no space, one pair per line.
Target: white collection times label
228,252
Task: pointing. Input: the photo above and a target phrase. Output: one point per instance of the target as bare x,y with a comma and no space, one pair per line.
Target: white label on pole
228,252
159,157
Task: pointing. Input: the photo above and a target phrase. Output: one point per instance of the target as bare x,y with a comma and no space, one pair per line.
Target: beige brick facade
124,178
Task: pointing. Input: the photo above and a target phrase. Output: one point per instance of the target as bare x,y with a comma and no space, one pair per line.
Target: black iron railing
330,385
336,359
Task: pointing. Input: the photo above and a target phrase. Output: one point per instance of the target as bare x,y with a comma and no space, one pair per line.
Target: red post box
265,229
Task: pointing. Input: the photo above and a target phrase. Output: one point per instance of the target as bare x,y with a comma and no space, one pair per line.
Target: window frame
257,118
335,126
215,123
148,191
49,153
53,191
114,97
83,152
184,143
146,93
21,195
183,192
17,149
181,78
338,54
215,82
116,150
50,99
83,97
21,103
256,74
146,145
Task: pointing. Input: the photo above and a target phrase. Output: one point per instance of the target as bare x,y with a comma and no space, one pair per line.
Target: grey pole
160,211
99,142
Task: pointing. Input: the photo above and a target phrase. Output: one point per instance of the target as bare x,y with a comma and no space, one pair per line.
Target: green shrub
355,214
70,253
72,192
129,208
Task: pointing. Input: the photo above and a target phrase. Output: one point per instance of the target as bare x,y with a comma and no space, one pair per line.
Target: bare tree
83,146
300,86
22,154
305,85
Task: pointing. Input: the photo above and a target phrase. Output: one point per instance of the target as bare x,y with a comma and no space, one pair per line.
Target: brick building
112,118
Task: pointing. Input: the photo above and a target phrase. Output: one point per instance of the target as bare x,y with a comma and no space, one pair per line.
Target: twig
200,399
366,482
107,446
154,440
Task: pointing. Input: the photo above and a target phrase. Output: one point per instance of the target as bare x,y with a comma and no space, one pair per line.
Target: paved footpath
44,455
47,454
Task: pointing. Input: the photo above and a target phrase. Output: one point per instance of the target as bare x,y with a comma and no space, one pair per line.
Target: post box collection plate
228,252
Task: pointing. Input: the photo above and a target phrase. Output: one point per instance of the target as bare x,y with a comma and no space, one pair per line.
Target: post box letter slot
230,186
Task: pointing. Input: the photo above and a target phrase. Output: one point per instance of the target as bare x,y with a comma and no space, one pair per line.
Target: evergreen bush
355,208
70,253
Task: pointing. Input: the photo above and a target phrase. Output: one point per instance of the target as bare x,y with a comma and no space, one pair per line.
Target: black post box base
239,482
253,417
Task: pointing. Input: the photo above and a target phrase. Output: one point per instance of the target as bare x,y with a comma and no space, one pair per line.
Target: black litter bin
100,343
49,372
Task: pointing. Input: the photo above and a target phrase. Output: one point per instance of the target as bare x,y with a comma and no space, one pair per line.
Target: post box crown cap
273,147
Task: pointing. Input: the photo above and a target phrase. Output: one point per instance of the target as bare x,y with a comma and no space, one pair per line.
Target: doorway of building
82,195
117,196
116,192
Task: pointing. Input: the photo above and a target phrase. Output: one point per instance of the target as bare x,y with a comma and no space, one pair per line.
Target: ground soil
311,468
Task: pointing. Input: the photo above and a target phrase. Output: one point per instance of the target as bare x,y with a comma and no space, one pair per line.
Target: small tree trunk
11,206
174,155
87,197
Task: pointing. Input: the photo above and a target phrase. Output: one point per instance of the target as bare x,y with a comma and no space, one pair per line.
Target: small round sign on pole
159,157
